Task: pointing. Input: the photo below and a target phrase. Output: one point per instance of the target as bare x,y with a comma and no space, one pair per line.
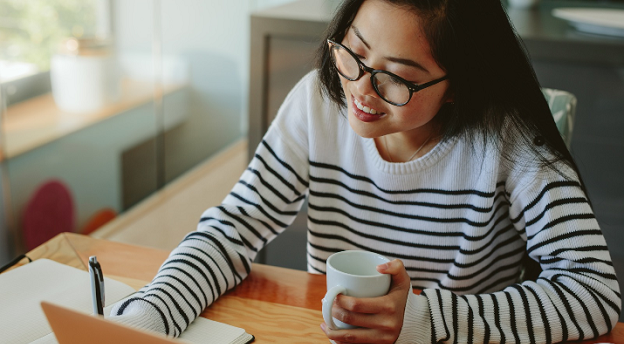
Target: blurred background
105,104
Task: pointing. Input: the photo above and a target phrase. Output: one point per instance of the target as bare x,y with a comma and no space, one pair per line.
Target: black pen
97,285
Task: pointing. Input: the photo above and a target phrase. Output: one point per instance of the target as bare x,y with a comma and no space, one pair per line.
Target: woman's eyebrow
399,60
359,35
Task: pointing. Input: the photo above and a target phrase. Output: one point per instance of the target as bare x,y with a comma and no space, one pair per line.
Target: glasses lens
345,62
390,88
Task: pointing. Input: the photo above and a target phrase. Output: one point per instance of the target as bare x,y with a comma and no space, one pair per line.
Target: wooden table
274,304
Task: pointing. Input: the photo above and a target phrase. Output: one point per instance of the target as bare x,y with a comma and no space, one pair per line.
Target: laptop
72,327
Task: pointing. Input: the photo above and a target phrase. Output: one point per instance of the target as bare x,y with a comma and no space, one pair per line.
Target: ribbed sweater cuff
140,314
416,321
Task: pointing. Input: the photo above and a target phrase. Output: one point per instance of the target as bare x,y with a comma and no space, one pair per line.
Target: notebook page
205,331
21,291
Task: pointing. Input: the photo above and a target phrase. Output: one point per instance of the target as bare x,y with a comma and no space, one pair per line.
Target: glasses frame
412,87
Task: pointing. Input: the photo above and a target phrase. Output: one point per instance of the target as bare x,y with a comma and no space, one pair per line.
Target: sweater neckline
440,150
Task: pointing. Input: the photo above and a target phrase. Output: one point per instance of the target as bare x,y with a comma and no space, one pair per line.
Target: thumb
400,278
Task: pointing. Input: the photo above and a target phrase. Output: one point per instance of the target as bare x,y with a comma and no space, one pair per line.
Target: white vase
84,83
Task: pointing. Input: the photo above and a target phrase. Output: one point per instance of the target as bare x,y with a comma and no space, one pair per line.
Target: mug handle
328,302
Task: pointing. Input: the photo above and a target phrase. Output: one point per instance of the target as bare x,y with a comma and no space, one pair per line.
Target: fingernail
383,266
324,327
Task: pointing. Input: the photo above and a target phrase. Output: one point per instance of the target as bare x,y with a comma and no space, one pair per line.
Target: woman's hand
380,318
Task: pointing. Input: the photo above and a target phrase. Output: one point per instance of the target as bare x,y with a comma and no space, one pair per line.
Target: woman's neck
408,145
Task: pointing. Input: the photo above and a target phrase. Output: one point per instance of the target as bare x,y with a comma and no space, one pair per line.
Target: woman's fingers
379,319
400,278
370,313
358,335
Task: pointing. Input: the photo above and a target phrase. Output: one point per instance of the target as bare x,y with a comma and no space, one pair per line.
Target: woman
430,143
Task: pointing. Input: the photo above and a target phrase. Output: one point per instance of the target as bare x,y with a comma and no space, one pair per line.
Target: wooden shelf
38,121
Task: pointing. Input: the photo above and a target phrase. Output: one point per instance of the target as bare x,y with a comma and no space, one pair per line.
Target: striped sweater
458,219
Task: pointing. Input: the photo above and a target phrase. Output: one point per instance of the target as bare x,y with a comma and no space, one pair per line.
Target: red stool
99,219
49,212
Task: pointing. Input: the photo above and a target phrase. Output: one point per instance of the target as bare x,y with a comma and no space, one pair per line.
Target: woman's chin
363,129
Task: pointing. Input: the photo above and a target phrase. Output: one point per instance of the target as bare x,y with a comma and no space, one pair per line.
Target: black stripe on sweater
393,254
277,175
265,201
207,267
384,211
266,225
470,325
227,284
274,190
223,222
285,164
455,309
445,206
512,312
486,246
556,287
587,272
397,228
563,219
222,250
565,236
588,315
497,320
383,238
249,227
174,300
264,212
553,204
201,290
605,315
446,329
546,188
586,260
412,191
178,329
126,303
196,268
606,300
190,291
486,334
545,322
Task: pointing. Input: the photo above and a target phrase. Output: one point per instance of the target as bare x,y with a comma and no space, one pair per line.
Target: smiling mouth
366,109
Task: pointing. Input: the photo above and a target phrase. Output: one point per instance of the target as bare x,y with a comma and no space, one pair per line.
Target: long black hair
495,90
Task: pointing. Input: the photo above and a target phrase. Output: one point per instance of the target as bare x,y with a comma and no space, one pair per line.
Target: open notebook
23,289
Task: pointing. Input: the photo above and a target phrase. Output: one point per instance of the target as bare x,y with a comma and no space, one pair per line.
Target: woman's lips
364,116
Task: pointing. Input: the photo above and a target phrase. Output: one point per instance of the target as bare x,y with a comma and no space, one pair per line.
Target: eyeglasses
390,87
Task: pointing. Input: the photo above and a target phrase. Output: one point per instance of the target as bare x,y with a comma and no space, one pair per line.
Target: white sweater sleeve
218,255
576,297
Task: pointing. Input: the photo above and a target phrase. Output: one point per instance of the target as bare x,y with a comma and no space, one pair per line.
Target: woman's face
388,37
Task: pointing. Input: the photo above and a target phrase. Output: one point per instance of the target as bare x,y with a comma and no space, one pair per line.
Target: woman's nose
365,86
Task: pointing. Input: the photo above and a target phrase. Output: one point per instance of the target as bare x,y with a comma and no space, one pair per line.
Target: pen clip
97,285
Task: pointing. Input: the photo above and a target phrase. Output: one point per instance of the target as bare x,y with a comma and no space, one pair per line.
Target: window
31,31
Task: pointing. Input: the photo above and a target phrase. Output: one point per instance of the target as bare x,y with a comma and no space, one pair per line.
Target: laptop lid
72,327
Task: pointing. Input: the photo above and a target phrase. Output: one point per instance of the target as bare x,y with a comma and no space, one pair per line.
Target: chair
50,211
99,219
563,107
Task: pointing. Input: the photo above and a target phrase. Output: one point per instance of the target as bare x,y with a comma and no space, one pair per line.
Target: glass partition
81,116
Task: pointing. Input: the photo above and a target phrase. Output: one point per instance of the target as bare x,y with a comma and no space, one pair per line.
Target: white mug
353,273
